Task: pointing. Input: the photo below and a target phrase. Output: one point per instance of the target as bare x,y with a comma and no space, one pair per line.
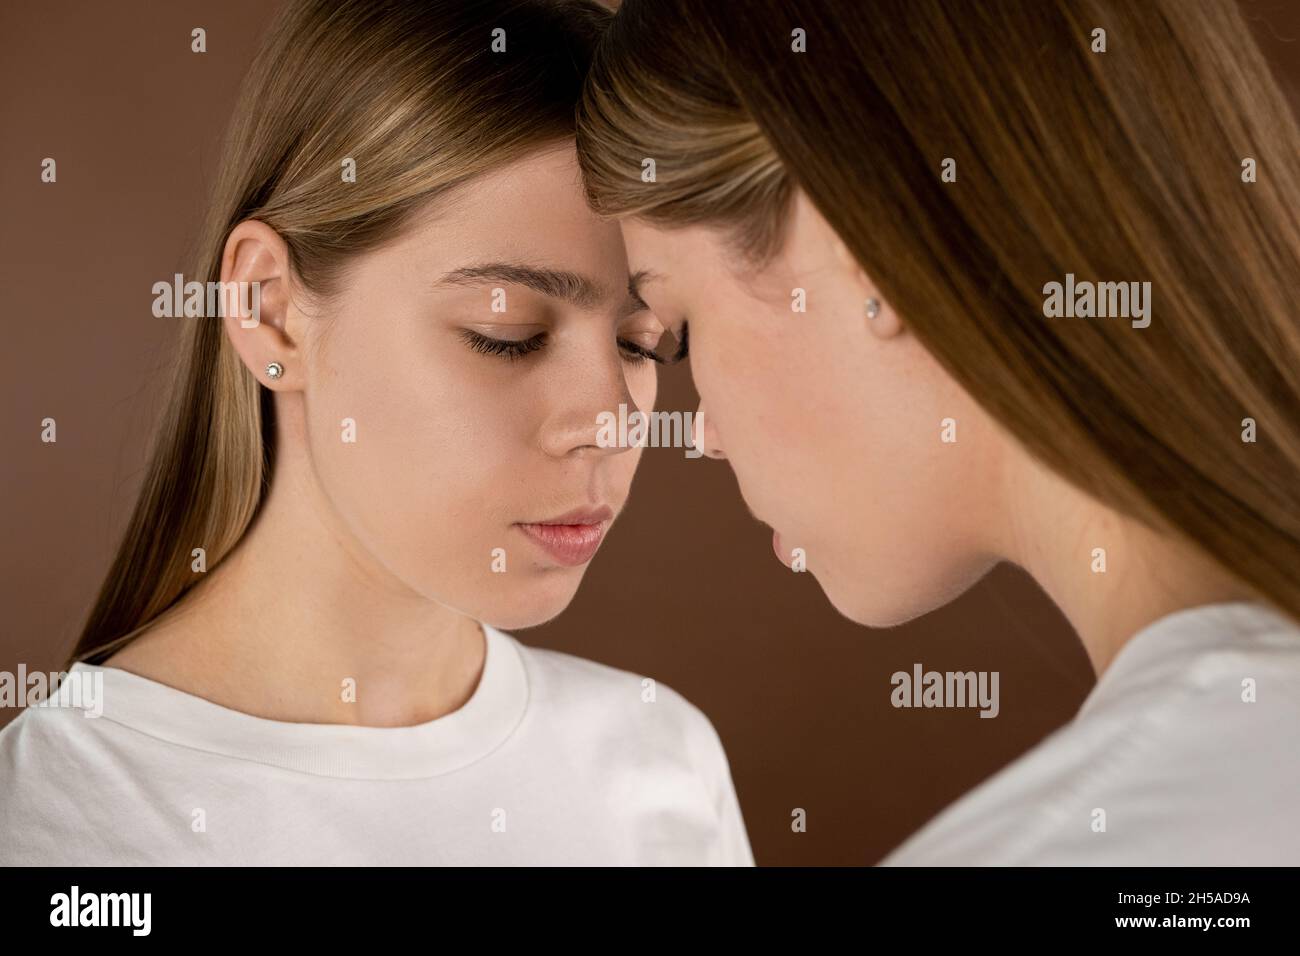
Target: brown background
687,590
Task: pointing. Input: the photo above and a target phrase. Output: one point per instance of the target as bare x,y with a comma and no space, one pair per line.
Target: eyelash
509,349
684,346
514,350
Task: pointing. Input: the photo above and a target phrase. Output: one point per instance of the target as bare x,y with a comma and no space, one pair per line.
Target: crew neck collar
430,749
1167,645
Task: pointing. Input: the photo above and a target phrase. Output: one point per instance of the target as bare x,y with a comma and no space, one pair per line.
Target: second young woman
863,218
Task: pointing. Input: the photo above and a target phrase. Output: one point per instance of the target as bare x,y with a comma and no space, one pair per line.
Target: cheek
765,393
836,441
905,509
892,467
643,387
643,384
740,380
406,442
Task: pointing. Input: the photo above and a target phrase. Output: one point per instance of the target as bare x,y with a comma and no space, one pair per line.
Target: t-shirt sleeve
734,848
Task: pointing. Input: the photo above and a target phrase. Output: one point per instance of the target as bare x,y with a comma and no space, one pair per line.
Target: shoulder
45,733
63,726
653,754
1188,755
62,732
589,697
53,773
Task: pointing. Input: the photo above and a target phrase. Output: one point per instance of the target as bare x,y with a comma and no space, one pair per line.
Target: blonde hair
1126,164
415,94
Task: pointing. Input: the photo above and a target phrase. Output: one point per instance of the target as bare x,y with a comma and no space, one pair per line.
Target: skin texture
373,559
832,424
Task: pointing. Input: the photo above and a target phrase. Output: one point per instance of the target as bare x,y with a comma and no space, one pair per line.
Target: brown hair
415,94
1118,165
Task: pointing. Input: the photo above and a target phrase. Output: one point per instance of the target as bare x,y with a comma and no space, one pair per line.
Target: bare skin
373,559
832,424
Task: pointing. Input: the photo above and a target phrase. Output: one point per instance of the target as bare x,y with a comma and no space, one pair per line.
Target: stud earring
872,308
274,370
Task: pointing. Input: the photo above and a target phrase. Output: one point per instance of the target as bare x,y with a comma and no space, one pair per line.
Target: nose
591,417
705,434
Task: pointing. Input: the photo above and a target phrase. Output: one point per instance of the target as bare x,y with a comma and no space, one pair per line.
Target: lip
779,549
596,515
570,539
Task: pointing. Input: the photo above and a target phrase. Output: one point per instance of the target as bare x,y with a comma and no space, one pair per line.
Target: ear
261,329
885,324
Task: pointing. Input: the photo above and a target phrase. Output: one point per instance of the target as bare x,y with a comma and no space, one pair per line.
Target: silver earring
274,370
872,308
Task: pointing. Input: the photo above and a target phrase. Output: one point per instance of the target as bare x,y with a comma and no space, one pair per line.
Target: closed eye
509,348
683,344
639,353
519,347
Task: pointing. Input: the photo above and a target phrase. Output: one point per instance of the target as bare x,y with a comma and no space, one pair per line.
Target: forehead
661,259
530,210
699,259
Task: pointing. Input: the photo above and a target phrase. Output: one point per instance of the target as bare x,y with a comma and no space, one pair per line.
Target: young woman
862,219
296,654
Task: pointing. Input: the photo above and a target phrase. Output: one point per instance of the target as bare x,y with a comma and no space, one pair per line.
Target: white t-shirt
1186,767
554,760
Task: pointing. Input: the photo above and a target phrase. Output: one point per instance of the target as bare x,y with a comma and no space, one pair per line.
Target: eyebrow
638,279
560,284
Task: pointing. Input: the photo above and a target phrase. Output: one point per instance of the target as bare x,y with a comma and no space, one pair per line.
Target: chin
532,605
891,603
876,613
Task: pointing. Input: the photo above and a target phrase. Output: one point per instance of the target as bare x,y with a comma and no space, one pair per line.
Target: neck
299,610
1061,537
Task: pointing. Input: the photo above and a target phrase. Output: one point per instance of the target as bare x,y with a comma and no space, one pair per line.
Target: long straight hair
1110,140
422,97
